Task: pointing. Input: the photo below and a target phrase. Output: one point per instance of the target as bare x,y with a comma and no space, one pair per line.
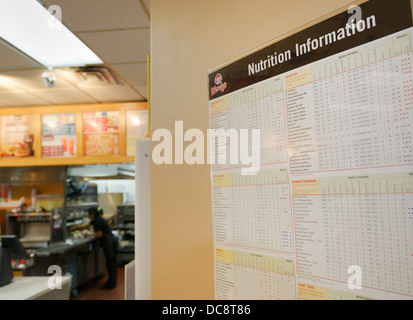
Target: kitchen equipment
37,229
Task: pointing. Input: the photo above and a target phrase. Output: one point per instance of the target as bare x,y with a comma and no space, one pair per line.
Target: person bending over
109,243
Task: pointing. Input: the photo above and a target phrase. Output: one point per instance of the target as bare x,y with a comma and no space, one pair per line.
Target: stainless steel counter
62,247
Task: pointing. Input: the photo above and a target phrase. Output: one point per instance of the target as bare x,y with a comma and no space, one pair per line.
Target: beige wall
190,37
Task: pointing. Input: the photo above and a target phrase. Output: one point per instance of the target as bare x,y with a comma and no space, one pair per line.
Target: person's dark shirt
100,224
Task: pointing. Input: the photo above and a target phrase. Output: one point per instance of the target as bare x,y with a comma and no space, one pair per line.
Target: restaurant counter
83,259
35,288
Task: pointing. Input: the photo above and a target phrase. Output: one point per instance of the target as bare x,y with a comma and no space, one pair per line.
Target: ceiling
118,31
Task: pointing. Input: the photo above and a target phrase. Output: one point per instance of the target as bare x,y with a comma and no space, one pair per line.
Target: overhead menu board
328,212
59,135
136,128
17,136
101,133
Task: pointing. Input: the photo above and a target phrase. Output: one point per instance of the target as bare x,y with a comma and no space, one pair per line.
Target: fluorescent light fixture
31,28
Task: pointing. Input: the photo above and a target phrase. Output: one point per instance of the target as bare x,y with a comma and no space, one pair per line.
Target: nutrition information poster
101,133
329,214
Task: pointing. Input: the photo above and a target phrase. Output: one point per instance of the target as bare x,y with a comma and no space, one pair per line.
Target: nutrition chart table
335,185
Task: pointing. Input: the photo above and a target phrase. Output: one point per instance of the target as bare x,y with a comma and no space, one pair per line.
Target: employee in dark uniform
108,242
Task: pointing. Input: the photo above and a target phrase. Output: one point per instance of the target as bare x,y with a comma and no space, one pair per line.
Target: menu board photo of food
17,136
59,135
101,133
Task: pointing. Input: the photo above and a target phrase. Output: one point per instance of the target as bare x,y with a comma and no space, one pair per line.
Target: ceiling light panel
31,28
98,15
